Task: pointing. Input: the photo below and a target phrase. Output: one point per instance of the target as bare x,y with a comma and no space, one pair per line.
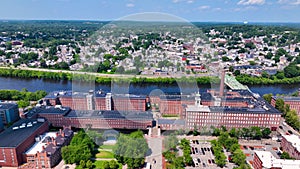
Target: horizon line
97,20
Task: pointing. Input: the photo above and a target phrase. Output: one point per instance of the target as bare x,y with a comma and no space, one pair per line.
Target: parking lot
202,154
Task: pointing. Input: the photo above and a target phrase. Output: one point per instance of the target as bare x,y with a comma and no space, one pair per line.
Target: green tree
266,133
106,165
131,149
285,155
113,164
89,164
236,72
23,103
292,119
82,163
279,104
238,157
268,97
170,142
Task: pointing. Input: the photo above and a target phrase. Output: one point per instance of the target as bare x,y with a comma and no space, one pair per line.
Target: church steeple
198,99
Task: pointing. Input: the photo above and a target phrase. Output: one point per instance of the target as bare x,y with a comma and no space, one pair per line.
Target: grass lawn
99,164
105,154
107,146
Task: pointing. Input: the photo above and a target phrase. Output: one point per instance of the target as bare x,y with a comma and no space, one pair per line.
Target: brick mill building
291,145
16,139
258,113
293,102
59,116
98,101
266,160
46,152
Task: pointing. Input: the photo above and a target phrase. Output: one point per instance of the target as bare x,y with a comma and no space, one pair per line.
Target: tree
268,97
225,59
292,119
236,72
89,164
23,103
255,132
285,155
170,142
106,165
131,149
233,133
113,164
291,71
216,132
279,105
82,163
280,75
234,147
266,133
238,157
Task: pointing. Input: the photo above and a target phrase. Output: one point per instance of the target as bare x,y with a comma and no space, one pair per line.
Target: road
155,157
286,128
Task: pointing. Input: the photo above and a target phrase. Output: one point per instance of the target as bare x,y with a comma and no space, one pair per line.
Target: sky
190,10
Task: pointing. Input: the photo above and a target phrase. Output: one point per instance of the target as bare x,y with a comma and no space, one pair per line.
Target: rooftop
287,98
19,132
7,105
171,121
38,146
146,115
269,161
294,140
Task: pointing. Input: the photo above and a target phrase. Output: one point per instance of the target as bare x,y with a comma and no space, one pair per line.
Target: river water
52,85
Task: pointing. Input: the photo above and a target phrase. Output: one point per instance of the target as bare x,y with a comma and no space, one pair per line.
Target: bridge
232,83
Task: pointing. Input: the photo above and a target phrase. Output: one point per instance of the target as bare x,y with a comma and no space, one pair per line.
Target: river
52,85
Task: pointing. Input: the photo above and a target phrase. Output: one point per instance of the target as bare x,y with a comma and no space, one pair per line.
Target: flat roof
12,137
105,114
51,110
287,98
269,161
38,146
224,109
294,140
171,121
7,105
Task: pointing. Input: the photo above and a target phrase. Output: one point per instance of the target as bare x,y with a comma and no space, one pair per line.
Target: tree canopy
131,149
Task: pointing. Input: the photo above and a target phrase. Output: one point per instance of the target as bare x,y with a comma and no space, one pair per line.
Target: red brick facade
232,120
12,156
290,148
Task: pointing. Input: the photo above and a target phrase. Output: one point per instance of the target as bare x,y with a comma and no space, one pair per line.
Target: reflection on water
52,85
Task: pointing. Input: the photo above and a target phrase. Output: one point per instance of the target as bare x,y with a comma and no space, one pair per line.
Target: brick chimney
222,83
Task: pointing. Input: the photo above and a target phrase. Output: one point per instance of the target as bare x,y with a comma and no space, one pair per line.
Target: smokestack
222,83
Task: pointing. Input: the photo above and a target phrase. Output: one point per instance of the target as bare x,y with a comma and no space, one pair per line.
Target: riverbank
250,80
134,79
102,78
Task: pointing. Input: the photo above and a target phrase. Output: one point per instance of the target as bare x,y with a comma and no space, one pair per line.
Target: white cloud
204,7
217,9
186,1
251,2
289,2
130,5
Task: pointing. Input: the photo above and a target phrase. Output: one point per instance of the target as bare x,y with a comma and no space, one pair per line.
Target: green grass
170,115
105,154
107,147
99,164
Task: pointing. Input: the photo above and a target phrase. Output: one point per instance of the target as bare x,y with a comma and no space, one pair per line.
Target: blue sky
191,10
